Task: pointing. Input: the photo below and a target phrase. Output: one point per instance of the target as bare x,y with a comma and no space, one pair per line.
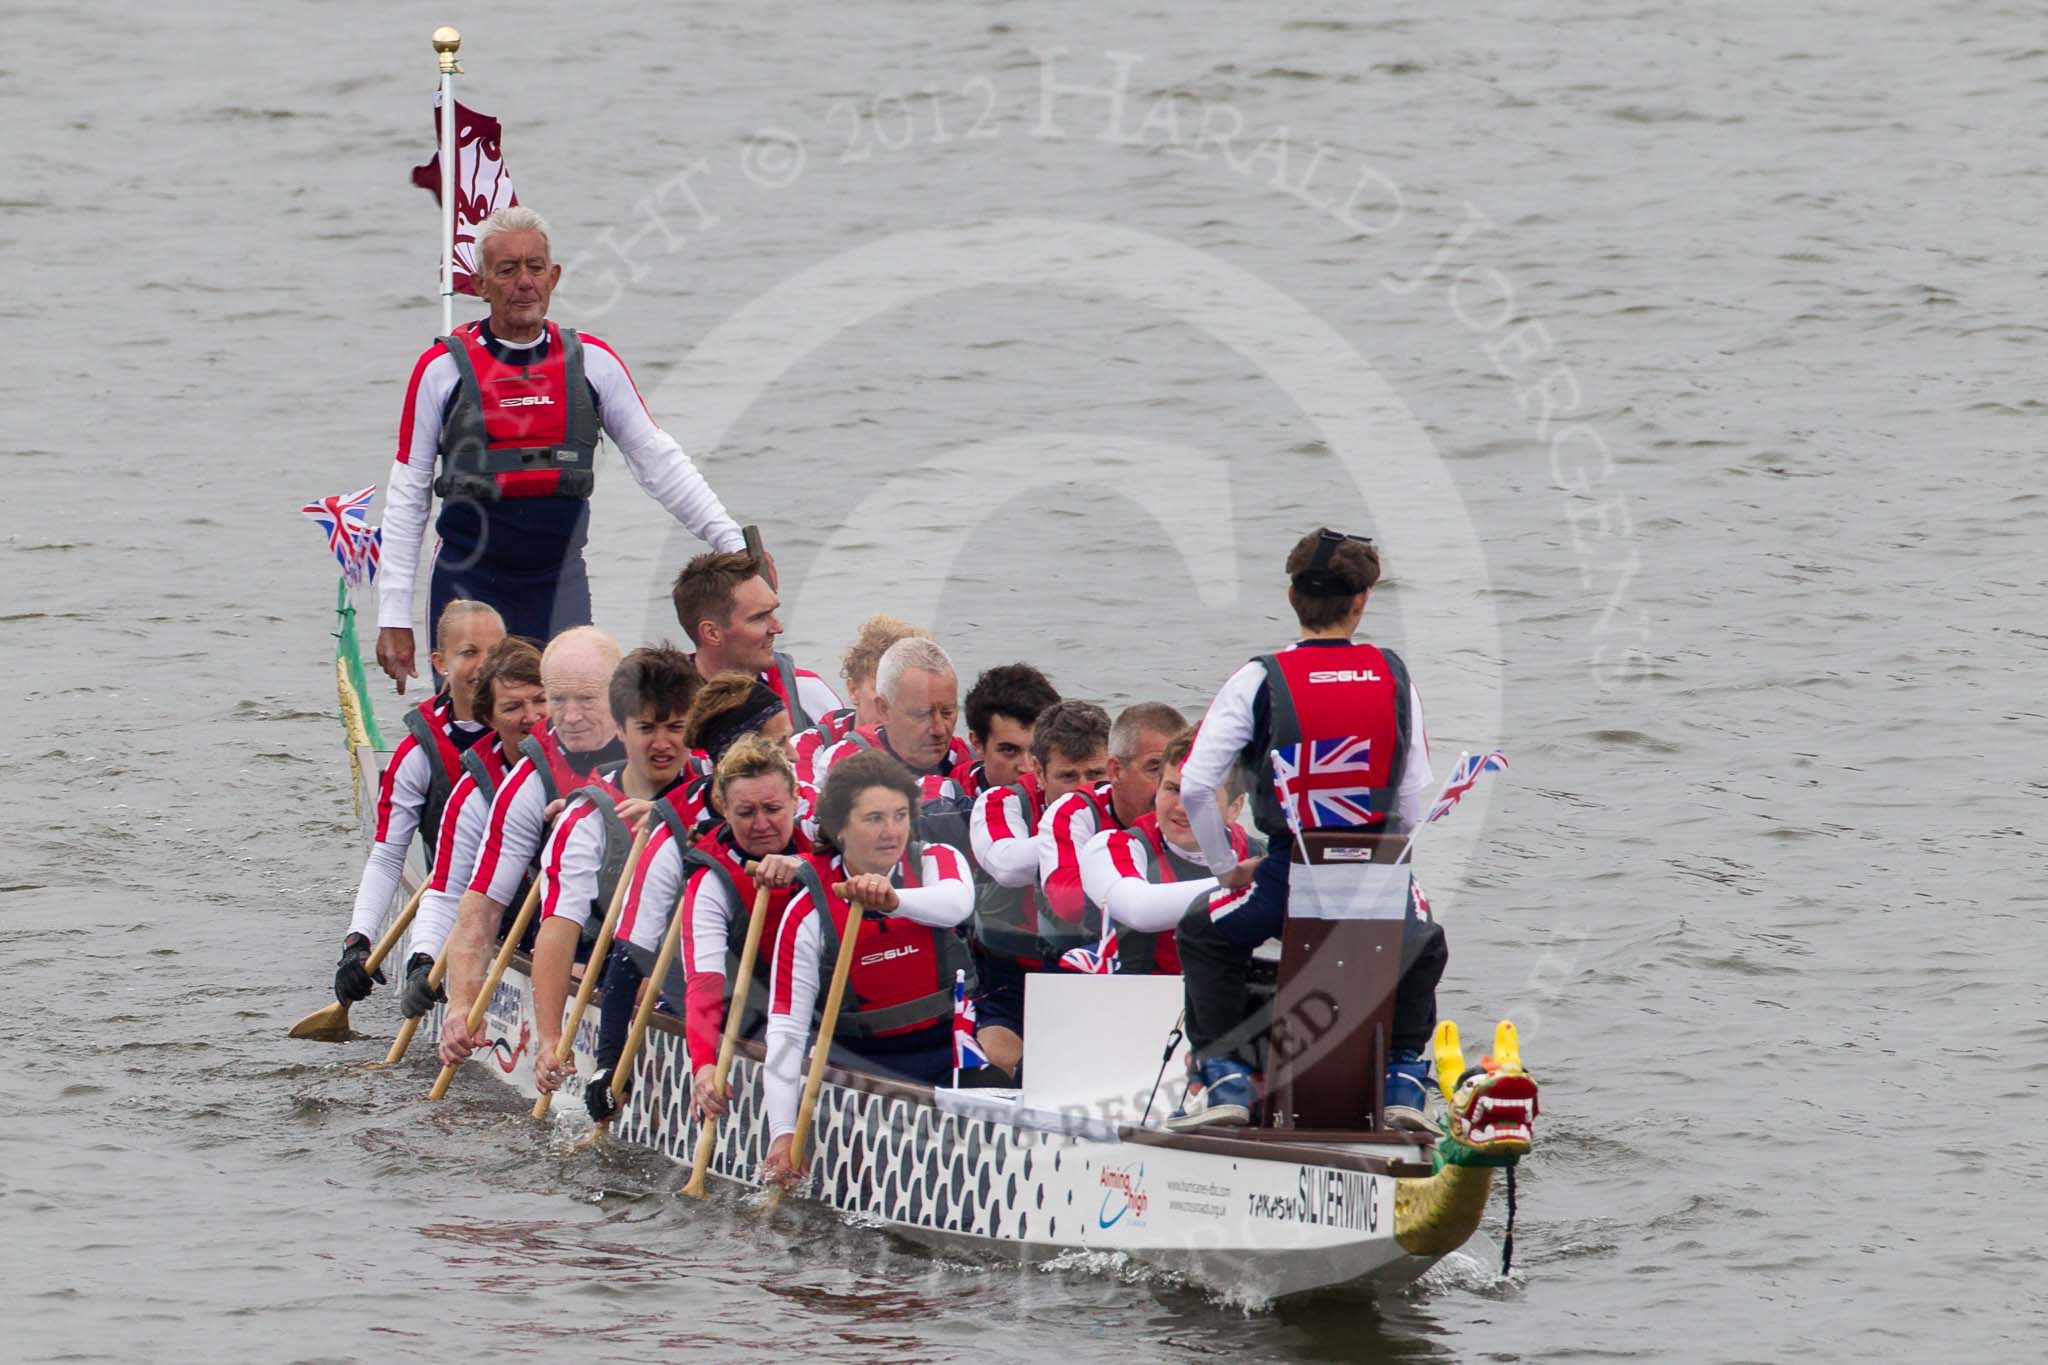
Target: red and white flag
482,184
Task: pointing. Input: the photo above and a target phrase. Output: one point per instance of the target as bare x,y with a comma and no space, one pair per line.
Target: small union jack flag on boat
1097,961
966,1052
1463,777
1332,790
356,546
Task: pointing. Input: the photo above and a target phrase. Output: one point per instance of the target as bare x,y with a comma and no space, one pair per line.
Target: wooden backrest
1340,958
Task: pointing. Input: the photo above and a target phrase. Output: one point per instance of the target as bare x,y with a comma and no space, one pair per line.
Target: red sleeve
493,847
948,863
636,880
444,846
405,746
704,991
785,951
412,397
1120,854
1063,893
558,841
605,346
706,1022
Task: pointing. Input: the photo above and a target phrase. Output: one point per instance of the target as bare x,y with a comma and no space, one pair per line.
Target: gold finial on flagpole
447,42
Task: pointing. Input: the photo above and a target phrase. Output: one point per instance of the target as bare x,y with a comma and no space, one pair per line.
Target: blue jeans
1215,962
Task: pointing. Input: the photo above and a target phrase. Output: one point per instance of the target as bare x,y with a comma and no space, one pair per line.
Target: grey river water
1686,359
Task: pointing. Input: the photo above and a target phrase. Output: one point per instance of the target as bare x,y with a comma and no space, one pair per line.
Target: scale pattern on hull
874,1156
1268,1225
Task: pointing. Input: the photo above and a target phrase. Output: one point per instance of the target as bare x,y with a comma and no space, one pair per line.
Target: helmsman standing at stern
501,422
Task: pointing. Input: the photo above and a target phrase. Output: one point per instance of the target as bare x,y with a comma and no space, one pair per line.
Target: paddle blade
329,1025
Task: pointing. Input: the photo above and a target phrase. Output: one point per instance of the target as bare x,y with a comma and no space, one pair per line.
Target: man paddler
419,779
917,697
726,604
580,744
585,854
501,422
1333,730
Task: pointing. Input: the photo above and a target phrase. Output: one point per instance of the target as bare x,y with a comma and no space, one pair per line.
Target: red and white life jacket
902,974
1142,953
1336,739
932,783
1011,922
518,431
432,726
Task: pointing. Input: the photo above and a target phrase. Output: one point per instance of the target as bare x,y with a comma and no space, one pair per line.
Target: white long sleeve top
944,899
657,464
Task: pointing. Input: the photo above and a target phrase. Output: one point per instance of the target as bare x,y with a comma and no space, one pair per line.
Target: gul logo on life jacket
531,400
1343,675
888,955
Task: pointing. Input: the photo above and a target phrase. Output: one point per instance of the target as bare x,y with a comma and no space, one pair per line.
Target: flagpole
1409,847
959,988
447,42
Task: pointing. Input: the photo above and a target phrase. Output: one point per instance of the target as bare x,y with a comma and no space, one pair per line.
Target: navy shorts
999,994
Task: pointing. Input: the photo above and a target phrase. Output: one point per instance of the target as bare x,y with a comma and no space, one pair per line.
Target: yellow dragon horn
1450,1058
1507,1046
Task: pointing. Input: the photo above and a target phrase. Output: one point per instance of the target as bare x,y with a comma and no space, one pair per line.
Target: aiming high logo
1123,1193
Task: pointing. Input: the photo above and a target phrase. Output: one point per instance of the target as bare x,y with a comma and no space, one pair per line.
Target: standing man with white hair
501,421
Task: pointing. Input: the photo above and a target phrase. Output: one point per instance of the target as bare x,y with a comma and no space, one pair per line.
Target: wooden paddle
643,1013
482,1003
594,968
758,551
707,1137
330,1025
828,1023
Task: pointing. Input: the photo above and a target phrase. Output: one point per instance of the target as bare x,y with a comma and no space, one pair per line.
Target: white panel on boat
1092,1044
1349,891
1007,1108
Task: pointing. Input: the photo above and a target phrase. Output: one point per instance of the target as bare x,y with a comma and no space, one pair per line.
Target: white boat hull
962,1172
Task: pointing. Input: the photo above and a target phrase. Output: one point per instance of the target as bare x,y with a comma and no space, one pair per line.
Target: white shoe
1400,1118
1197,1112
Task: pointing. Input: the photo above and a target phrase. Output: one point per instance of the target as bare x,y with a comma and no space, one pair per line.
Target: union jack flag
966,1052
1335,789
1097,961
1463,777
356,546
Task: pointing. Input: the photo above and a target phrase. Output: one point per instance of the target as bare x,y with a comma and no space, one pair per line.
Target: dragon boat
1081,1165
1263,1213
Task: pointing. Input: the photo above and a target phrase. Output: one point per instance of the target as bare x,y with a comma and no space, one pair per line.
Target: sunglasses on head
1327,542
1315,578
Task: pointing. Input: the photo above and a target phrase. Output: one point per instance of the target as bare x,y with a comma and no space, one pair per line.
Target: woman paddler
729,705
419,779
510,699
897,1016
754,787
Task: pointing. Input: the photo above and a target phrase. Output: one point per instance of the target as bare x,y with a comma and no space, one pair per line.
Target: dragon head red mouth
1500,1118
1493,1108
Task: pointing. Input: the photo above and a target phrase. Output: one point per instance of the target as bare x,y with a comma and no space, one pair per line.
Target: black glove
351,982
597,1094
416,997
